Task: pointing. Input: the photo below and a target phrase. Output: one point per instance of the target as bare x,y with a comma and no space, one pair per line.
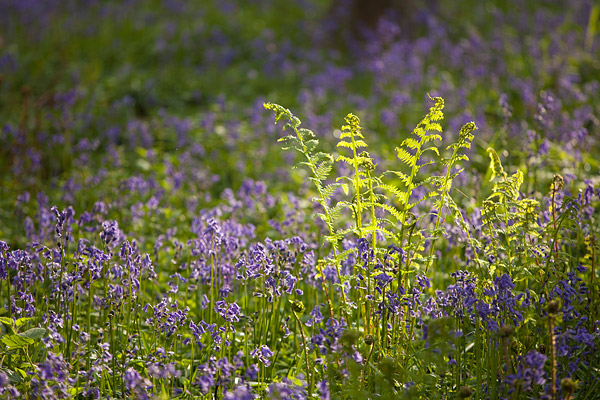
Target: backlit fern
444,186
320,165
412,149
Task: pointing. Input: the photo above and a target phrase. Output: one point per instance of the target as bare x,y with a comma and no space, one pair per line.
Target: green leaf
345,188
75,391
34,333
495,164
7,325
13,376
22,321
16,341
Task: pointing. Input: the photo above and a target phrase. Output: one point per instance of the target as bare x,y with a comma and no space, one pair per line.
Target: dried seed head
297,306
388,368
465,392
369,340
557,183
553,307
350,337
568,385
543,348
506,332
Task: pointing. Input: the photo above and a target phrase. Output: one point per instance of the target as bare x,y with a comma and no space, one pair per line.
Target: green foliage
444,186
320,165
13,339
161,130
411,150
512,220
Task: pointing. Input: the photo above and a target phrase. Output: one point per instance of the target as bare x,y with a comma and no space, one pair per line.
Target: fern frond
344,254
345,159
344,232
305,134
405,179
288,138
347,145
406,157
391,189
516,180
322,171
360,144
385,221
432,137
329,190
434,180
427,196
433,149
390,209
417,168
336,210
372,229
282,112
410,143
495,164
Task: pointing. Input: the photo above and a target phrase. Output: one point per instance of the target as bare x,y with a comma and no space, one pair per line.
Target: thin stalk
308,374
9,307
443,196
246,352
323,201
488,222
552,354
373,233
357,185
478,355
508,242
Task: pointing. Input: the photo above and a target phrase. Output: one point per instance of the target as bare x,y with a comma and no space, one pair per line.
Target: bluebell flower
240,393
264,354
530,373
315,317
110,232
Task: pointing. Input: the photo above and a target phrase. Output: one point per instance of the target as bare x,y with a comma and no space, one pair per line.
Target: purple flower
365,253
110,232
131,378
263,353
136,384
286,389
3,379
530,372
230,312
205,382
252,372
160,371
423,281
315,317
240,393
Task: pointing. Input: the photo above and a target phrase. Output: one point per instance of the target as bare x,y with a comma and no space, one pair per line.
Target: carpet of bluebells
161,236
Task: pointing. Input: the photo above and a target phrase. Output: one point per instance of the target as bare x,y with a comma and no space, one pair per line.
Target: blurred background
100,100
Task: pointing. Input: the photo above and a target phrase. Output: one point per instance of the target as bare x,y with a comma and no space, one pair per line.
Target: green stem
552,355
308,374
445,186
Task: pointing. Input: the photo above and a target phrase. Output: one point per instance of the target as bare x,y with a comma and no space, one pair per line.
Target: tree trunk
360,16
